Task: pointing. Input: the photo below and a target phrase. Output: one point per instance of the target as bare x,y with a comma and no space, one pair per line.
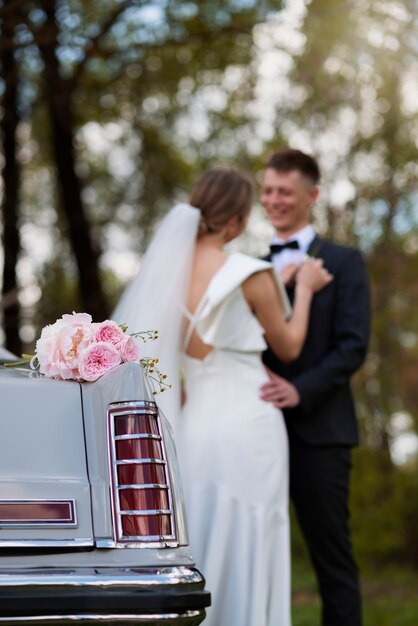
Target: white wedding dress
233,454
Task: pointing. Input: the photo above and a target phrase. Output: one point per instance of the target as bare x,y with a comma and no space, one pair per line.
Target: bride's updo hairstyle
220,193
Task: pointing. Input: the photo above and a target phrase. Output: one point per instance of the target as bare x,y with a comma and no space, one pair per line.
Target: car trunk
57,485
44,487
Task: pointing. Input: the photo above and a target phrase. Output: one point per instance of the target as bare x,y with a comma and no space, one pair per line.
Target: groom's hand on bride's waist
278,391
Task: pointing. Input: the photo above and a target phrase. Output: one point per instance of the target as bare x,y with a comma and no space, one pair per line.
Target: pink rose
76,318
128,349
47,352
74,337
109,332
97,359
60,345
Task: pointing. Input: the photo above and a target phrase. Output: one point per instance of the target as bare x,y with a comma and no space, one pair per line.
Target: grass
390,596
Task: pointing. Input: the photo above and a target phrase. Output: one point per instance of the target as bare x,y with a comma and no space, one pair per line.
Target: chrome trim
152,538
151,541
141,436
47,543
175,618
131,408
72,523
171,503
140,462
135,404
105,578
134,407
146,512
145,486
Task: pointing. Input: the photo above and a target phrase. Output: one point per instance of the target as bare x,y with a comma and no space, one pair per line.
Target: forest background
110,109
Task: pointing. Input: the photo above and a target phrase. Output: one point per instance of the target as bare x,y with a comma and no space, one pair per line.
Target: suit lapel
315,247
314,250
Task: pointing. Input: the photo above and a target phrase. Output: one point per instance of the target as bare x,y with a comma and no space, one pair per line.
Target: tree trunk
9,206
58,92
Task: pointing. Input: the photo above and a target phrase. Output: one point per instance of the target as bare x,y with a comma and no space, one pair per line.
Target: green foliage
384,511
389,596
376,510
384,519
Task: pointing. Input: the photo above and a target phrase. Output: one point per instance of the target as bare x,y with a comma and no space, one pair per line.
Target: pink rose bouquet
76,348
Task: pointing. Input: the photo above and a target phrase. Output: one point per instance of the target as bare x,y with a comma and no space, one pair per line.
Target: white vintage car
92,522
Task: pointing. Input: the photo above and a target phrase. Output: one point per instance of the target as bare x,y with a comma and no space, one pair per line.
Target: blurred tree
58,92
124,63
11,184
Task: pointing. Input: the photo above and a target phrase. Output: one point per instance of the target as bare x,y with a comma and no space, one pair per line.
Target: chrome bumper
190,618
145,596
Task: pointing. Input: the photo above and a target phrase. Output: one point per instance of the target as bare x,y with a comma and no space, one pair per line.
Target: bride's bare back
206,263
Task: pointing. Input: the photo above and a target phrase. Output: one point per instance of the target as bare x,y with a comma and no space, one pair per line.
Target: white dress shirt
287,256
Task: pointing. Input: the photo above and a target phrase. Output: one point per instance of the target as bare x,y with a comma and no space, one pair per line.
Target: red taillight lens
143,499
132,424
142,507
135,525
139,449
141,474
37,512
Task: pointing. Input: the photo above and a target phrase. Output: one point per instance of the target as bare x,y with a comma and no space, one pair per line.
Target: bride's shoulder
239,268
248,265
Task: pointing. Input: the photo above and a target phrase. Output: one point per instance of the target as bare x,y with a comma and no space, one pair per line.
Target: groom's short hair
288,160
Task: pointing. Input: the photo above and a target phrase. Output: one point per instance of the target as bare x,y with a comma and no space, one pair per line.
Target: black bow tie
276,248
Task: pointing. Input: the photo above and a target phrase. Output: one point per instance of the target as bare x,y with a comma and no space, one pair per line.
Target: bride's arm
286,339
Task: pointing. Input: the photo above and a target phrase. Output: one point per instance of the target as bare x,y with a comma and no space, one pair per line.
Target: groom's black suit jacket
335,348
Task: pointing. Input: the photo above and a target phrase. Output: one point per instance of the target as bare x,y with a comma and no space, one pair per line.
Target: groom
314,391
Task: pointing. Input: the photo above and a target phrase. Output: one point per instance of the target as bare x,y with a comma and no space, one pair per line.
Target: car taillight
140,481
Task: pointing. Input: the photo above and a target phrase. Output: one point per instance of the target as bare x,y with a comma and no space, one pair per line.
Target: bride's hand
313,275
288,274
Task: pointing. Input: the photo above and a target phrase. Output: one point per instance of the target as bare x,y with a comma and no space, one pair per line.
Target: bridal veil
155,298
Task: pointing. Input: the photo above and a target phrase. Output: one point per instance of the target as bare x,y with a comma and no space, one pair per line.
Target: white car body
72,547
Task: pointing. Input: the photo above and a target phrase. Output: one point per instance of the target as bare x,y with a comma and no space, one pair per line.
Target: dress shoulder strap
193,321
232,275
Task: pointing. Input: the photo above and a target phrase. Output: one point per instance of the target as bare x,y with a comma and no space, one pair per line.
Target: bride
215,313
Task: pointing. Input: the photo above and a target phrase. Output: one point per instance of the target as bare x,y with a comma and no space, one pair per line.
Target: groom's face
287,198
